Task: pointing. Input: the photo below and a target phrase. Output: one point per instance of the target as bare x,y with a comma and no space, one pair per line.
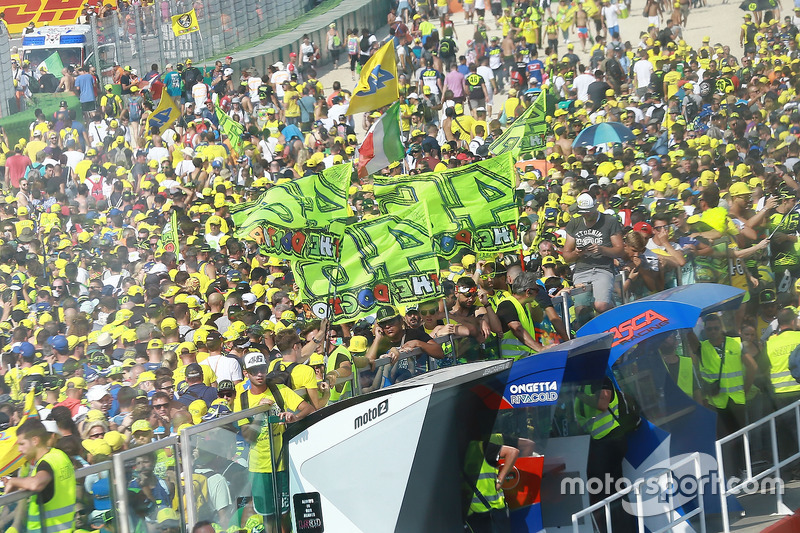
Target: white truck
73,44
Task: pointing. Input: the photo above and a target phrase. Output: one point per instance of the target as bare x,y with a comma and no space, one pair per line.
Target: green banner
169,240
233,130
473,206
384,260
527,133
293,220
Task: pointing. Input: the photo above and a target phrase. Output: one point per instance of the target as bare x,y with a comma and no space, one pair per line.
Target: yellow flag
165,114
185,23
10,458
378,84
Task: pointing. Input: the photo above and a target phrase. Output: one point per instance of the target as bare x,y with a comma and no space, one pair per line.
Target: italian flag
383,144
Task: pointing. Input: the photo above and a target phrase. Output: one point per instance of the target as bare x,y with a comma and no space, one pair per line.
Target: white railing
636,488
777,464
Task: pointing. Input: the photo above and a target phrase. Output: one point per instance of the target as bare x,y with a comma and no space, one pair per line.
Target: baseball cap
386,314
155,344
585,203
253,360
643,227
98,392
141,425
193,370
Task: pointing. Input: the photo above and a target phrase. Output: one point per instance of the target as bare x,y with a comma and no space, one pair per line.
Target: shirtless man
675,20
654,11
582,25
685,5
507,47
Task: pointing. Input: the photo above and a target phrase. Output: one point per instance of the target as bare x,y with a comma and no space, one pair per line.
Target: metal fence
141,35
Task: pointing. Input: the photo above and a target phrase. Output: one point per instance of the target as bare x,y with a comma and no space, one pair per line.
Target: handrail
693,458
777,464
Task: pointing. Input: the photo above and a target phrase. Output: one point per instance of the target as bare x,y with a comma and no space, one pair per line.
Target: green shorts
264,493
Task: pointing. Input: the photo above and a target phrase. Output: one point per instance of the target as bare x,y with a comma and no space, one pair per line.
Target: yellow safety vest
59,512
731,383
346,391
686,375
779,347
595,422
510,346
487,477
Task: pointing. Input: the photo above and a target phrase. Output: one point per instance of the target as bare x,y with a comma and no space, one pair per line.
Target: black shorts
480,12
88,106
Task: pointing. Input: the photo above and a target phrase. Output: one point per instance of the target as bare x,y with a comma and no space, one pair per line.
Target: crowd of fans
123,344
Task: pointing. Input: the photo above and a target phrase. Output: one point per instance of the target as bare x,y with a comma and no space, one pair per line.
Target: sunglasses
160,405
488,275
430,312
660,228
226,394
168,387
257,370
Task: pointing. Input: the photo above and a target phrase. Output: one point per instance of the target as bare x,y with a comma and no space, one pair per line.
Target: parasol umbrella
758,5
605,132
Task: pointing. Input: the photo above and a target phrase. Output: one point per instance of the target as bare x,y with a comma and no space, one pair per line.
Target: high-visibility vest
487,478
731,383
595,422
510,346
779,347
686,375
346,391
59,512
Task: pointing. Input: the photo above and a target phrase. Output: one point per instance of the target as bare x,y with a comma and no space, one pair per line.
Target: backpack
134,110
691,108
352,46
597,57
658,113
281,375
444,48
337,41
202,505
630,414
97,187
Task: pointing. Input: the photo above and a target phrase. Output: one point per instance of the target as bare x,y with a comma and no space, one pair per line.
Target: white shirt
277,80
643,70
73,158
224,367
306,49
581,84
157,153
611,14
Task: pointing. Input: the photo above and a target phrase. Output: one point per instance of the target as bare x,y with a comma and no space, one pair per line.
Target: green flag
293,220
473,206
527,133
54,64
233,130
385,260
168,242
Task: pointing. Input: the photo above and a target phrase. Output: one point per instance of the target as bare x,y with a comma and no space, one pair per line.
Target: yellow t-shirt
671,80
33,148
260,459
530,30
208,375
82,168
463,128
290,101
303,376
